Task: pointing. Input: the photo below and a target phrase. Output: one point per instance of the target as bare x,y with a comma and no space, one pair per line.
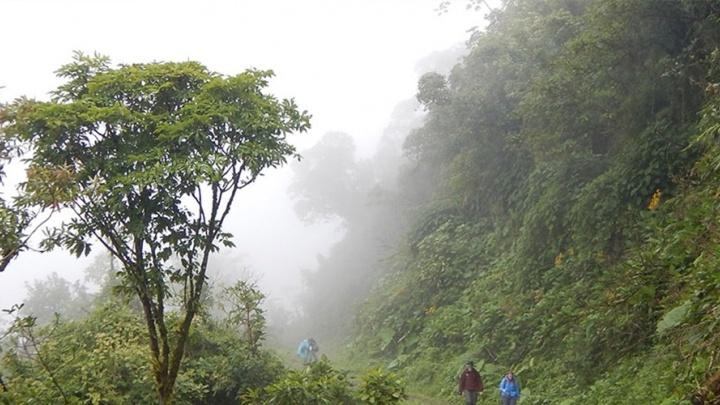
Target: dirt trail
419,399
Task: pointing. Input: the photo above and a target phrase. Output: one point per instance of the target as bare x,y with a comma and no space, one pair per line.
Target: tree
149,158
56,296
330,182
244,308
17,223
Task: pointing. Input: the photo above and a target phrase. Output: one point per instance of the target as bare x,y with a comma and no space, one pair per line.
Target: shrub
381,387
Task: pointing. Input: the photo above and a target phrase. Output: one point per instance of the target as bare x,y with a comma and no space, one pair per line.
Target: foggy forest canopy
548,202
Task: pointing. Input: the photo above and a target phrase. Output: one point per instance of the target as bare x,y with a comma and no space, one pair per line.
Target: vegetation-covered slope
572,234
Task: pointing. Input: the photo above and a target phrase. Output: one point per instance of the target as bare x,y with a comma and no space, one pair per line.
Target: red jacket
470,380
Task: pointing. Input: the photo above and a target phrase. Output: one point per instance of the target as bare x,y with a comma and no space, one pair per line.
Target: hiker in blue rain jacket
306,351
509,389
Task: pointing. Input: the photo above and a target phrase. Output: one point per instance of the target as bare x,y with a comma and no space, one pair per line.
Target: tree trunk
251,340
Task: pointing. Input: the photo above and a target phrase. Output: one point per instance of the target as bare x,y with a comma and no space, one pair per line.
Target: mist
351,79
351,202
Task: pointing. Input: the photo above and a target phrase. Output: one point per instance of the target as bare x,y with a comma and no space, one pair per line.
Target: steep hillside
573,231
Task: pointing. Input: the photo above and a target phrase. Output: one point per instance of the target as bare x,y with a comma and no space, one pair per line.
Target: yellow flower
655,200
559,259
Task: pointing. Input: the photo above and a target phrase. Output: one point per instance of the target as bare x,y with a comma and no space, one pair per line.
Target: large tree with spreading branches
150,158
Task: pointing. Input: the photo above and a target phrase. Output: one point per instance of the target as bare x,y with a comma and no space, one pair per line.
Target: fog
348,63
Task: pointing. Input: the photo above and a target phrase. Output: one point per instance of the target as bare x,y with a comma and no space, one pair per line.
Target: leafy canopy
149,158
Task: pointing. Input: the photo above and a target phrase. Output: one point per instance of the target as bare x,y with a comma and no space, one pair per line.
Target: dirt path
419,399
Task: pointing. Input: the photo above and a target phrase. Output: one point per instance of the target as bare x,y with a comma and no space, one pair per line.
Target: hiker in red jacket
470,384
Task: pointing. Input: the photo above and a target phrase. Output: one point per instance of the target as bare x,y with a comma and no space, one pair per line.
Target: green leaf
675,317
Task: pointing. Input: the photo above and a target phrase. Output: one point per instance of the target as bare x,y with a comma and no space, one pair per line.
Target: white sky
348,62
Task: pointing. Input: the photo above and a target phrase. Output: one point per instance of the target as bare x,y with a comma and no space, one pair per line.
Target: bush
102,359
380,387
317,384
322,384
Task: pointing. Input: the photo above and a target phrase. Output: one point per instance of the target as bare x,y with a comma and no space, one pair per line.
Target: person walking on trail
471,384
509,389
307,351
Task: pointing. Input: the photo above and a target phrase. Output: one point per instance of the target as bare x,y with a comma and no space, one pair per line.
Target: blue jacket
304,349
510,388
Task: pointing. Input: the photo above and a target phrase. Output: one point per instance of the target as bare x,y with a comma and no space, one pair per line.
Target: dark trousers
509,400
470,397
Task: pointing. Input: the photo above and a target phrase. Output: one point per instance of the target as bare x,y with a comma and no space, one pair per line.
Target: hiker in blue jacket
509,389
307,351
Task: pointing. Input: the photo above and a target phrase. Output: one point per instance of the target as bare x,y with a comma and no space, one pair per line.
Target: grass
420,399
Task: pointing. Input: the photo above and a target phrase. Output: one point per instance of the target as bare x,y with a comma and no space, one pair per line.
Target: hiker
307,351
470,384
314,348
509,389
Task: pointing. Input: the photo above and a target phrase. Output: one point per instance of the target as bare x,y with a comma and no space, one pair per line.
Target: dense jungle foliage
563,195
99,354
